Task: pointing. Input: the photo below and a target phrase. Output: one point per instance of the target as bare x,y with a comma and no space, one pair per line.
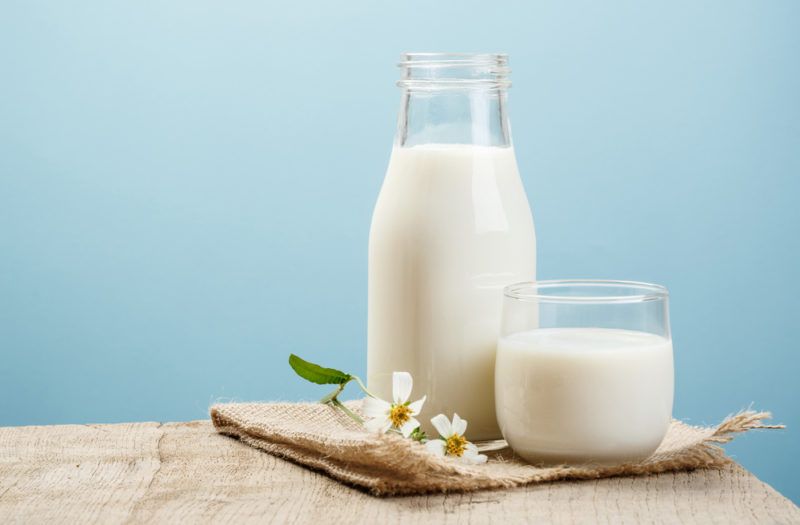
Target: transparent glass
584,370
453,98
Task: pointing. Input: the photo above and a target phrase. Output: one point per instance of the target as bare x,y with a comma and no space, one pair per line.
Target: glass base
490,445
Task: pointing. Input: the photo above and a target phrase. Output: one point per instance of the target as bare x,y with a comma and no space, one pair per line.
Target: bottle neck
453,99
453,116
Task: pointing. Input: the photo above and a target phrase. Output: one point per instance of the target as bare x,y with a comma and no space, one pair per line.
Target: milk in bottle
450,229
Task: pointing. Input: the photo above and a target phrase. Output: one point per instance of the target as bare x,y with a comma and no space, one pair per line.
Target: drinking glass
584,370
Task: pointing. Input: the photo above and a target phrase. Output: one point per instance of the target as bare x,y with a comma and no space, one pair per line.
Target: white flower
452,441
399,414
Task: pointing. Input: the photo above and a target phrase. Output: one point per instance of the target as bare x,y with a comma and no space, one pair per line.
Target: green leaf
317,374
419,435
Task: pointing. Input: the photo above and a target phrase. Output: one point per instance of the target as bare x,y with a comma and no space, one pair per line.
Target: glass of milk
584,370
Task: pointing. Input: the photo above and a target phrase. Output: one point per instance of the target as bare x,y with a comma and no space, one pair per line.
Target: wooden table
185,472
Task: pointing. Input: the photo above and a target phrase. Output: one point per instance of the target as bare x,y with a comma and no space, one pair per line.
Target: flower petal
436,447
459,425
471,455
378,424
442,425
477,459
408,427
416,406
374,407
401,387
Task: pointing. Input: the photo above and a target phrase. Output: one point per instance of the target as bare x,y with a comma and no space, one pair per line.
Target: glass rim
538,291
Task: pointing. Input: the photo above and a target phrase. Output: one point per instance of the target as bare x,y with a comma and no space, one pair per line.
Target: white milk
584,394
451,228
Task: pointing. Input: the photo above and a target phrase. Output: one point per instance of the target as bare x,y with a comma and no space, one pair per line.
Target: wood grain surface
186,473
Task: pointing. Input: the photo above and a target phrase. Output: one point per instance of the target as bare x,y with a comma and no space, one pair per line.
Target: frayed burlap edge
321,438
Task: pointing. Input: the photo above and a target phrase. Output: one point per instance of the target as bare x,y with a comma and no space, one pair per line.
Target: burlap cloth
321,437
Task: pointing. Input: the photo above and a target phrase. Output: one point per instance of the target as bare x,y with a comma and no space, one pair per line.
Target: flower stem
335,402
361,385
330,397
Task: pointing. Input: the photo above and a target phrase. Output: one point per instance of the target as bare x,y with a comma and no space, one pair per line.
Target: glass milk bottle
450,229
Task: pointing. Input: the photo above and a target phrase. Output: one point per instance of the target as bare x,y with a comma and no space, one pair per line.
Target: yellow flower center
456,445
399,414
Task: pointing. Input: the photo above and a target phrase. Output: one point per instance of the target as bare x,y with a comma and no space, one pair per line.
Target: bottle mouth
431,71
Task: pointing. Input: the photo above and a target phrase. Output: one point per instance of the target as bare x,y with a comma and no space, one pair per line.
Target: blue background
186,190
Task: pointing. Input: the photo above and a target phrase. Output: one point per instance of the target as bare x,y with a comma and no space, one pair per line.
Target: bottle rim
432,71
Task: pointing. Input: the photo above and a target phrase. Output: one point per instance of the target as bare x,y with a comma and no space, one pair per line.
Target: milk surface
569,395
451,228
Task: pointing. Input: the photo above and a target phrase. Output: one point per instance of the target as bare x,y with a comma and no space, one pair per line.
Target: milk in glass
571,395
